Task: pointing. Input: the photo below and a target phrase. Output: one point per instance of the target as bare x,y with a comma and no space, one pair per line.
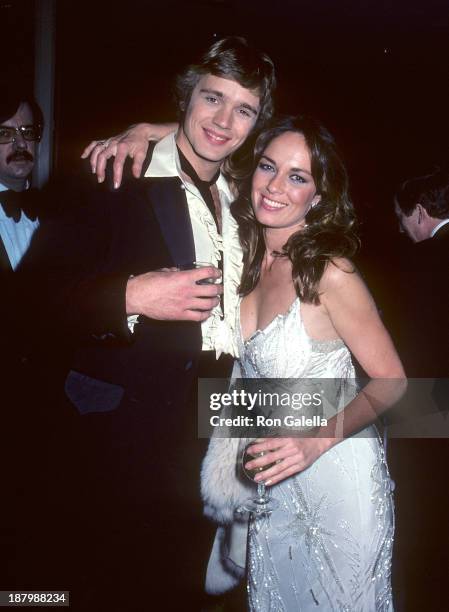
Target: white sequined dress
328,546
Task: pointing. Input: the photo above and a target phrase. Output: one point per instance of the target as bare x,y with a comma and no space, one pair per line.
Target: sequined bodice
283,349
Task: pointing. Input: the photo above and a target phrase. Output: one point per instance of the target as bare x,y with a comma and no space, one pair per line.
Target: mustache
19,156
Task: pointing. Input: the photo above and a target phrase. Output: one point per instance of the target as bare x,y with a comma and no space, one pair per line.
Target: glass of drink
194,265
262,504
206,281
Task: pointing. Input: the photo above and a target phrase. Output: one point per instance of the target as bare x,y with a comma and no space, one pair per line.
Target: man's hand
171,295
133,143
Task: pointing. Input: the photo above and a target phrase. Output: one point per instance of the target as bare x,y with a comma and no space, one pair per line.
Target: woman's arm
133,143
354,316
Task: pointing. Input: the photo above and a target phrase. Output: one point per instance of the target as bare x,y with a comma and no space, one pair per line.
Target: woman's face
283,189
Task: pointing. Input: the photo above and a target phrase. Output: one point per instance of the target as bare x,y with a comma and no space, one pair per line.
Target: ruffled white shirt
218,330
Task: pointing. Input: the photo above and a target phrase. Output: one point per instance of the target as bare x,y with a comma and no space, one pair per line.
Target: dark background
374,71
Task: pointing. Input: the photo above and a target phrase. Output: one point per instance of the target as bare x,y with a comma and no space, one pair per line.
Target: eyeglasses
28,132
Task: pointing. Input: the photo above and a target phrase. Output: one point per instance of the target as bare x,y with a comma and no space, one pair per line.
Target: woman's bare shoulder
339,271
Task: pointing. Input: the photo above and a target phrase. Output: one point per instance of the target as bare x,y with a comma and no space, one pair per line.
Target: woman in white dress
304,310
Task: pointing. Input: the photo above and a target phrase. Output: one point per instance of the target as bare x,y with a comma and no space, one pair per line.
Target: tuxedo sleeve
64,280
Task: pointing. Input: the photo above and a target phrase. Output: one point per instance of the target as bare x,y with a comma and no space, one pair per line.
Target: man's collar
190,171
165,162
439,226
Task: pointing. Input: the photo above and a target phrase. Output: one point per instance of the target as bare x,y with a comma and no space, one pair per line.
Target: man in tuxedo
113,285
419,465
21,123
422,208
20,132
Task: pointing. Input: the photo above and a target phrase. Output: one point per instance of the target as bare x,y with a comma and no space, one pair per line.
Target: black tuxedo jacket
125,455
14,355
77,269
424,342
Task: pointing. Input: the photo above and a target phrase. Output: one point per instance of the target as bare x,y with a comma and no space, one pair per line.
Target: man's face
220,115
17,157
411,225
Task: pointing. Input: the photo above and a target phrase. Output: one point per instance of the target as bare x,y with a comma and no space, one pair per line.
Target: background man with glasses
20,208
20,130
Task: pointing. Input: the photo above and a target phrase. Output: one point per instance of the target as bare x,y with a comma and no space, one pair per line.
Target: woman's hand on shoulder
289,456
133,143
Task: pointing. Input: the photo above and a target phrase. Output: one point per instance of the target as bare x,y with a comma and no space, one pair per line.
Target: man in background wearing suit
422,208
20,131
419,465
28,445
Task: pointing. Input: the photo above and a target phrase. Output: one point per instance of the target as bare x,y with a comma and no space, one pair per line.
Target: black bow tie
14,202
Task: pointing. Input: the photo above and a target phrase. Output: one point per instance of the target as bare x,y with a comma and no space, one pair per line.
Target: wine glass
206,281
262,504
195,265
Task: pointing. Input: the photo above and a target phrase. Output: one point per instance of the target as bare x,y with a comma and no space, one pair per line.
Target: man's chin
20,169
213,155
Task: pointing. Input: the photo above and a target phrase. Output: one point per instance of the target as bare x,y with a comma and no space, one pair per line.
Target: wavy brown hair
330,229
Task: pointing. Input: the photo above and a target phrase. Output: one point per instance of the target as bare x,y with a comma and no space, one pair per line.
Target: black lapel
5,264
170,207
127,175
